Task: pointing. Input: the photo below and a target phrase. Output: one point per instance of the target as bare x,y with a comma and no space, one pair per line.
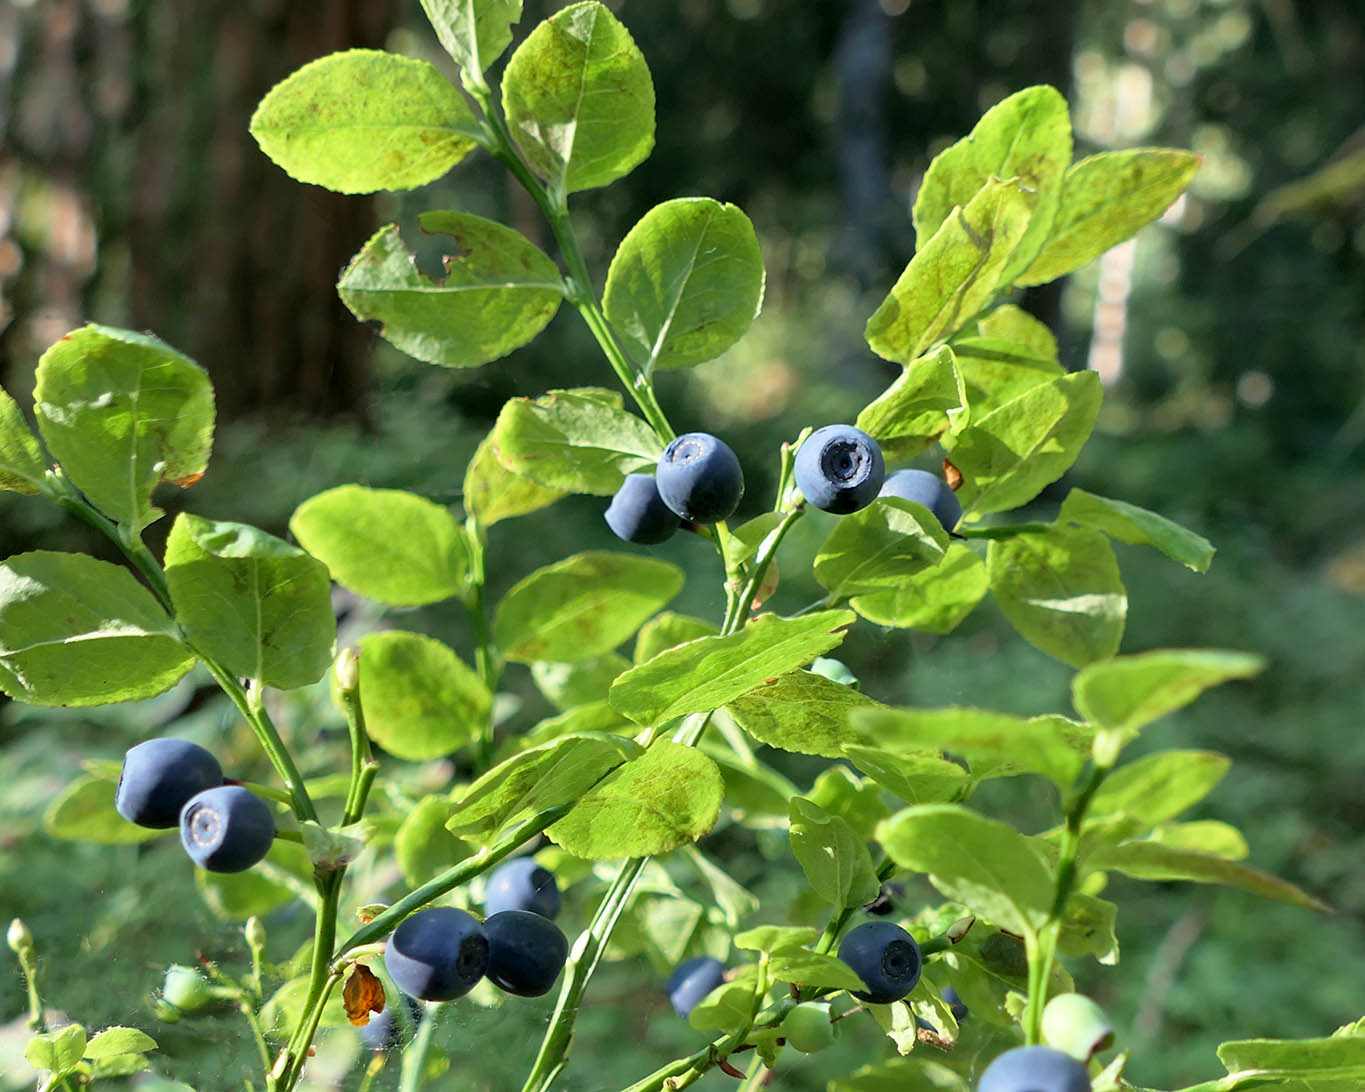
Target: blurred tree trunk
140,198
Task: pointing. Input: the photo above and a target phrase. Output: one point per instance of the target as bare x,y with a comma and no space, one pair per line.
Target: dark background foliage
1230,339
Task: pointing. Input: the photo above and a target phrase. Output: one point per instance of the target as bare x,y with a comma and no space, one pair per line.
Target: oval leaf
582,606
1137,527
801,712
579,100
498,291
76,631
668,797
474,32
878,547
704,674
835,860
385,544
493,493
21,459
84,812
420,700
259,606
926,400
686,283
123,412
424,846
1061,590
934,599
1131,691
365,120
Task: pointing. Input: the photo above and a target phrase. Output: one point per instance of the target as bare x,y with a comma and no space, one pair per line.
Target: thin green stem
321,976
739,612
363,764
415,1056
451,878
248,1012
486,659
753,1077
583,959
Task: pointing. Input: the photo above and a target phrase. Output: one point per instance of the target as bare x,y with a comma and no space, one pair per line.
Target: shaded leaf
917,777
493,493
835,860
877,548
666,630
496,294
423,846
1159,786
1151,860
934,599
926,400
84,812
22,465
1336,1064
118,1040
1137,527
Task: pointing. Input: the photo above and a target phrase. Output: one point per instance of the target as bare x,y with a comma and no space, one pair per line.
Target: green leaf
385,544
685,284
730,897
729,1007
1009,455
1159,786
952,275
497,292
420,700
667,630
1129,692
282,1013
707,673
424,846
582,606
535,779
835,860
579,100
1205,836
994,744
285,875
596,716
1105,199
58,1051
812,969
1152,860
76,631
997,369
934,599
855,799
667,797
1025,136
1088,928
1336,1064
474,32
1061,590
755,793
877,548
801,712
926,400
917,777
122,413
775,938
118,1040
84,812
574,441
566,686
22,465
987,866
259,606
1137,527
365,120
493,493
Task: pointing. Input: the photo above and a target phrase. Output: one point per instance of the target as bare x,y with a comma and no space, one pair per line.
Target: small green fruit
186,988
1075,1025
807,1027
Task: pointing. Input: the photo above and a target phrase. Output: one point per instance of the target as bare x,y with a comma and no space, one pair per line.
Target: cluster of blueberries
172,782
838,469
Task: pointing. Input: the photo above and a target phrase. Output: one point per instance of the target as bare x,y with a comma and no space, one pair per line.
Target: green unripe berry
1075,1025
20,939
186,988
807,1027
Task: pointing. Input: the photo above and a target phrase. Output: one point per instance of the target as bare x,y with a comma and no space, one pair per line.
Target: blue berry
692,980
159,776
437,954
927,489
839,469
227,829
521,884
638,514
385,1030
526,952
885,957
1034,1069
699,478
955,1004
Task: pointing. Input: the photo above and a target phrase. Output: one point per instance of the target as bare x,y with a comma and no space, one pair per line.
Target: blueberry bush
663,719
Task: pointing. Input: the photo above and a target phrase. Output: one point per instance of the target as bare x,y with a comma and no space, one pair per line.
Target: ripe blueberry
227,829
385,1029
521,884
638,514
927,489
955,1004
699,478
1034,1069
839,469
159,776
437,954
526,952
885,957
692,980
